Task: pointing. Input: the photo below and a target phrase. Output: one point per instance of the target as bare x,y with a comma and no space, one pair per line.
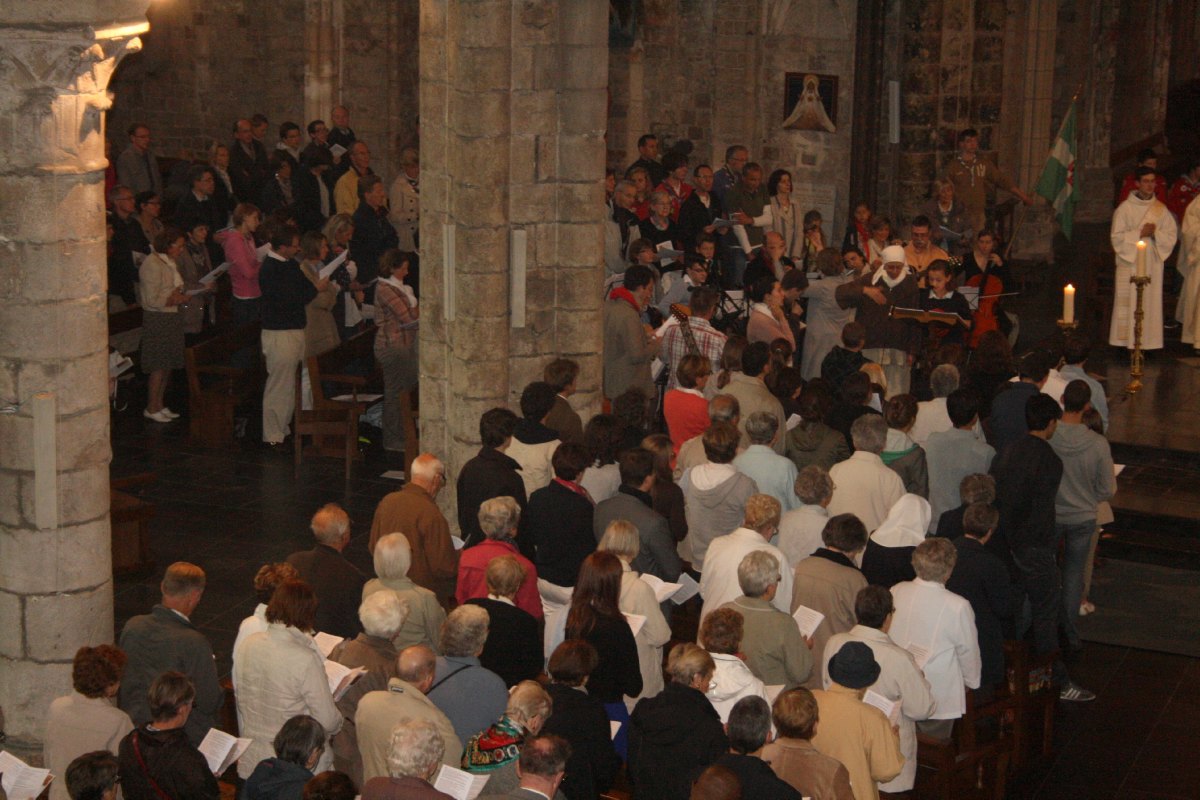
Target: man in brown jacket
629,344
828,582
414,512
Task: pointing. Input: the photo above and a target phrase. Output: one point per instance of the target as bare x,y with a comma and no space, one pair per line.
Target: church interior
517,107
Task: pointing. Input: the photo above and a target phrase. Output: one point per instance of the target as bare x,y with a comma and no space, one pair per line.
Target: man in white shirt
862,484
900,679
719,580
938,628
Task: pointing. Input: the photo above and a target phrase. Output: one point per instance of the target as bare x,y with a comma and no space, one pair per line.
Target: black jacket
513,649
558,528
1007,421
694,218
373,234
489,474
887,566
275,779
122,274
338,585
286,290
840,364
170,761
248,173
580,719
618,672
983,580
306,200
1027,474
672,738
759,781
191,209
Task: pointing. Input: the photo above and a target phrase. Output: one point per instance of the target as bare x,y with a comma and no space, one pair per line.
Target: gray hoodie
1088,475
715,496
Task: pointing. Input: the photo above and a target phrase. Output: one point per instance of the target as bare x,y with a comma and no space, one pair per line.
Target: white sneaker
157,416
169,413
1086,608
1074,693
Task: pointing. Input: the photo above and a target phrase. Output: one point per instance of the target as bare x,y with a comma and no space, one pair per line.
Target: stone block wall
207,63
512,146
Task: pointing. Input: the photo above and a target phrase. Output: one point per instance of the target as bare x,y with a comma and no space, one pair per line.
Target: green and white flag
1057,183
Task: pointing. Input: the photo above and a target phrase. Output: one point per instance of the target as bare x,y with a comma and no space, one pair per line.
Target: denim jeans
1076,539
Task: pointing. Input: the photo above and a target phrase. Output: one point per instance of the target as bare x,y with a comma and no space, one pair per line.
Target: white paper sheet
332,266
21,781
458,784
337,151
458,542
326,642
662,589
216,273
690,589
636,622
220,750
793,421
890,708
614,728
393,474
340,677
362,398
920,654
1118,469
808,620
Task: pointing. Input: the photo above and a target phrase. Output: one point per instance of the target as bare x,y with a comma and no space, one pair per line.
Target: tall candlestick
1068,303
1140,264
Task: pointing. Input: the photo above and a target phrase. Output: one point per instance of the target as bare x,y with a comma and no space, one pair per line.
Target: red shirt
472,575
1181,195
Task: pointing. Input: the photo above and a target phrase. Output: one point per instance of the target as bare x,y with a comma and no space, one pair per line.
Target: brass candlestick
1067,327
1135,361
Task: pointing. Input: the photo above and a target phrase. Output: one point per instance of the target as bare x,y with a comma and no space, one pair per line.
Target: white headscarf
891,254
906,523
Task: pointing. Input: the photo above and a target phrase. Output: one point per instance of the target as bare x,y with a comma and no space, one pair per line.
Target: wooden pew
974,761
130,517
216,387
332,423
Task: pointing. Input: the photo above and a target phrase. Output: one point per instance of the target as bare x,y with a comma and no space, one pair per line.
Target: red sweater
687,416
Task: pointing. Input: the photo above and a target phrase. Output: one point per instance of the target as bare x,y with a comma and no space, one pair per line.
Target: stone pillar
55,558
322,63
512,140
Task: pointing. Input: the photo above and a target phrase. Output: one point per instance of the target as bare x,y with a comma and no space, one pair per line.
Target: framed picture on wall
810,102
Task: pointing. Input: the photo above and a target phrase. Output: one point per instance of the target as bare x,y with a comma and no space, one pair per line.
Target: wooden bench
1034,699
333,423
216,387
130,517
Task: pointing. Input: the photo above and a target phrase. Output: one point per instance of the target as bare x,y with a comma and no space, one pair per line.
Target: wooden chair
332,422
216,387
129,517
1033,699
973,762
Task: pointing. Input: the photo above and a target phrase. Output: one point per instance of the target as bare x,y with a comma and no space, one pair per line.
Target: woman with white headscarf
888,557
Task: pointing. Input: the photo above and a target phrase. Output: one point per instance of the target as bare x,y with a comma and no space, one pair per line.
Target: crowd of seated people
903,521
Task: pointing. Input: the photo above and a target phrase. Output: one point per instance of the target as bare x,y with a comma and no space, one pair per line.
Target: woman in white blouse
622,540
280,674
938,628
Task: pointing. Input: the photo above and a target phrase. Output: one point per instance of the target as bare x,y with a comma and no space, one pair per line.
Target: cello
988,315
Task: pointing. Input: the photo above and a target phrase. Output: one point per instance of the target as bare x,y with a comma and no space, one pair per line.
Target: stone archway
55,561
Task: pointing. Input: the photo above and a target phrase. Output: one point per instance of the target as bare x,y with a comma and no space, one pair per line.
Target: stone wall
207,63
512,152
713,72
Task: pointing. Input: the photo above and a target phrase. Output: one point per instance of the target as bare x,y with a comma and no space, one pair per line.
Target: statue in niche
812,100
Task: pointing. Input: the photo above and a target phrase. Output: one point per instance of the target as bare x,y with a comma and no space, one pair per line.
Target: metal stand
1139,314
1067,327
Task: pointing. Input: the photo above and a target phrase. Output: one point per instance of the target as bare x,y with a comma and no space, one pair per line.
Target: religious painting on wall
810,102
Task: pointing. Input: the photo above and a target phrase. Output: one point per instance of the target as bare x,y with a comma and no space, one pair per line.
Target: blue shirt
1074,372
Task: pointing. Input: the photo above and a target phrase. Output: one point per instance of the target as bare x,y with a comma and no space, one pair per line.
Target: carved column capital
55,78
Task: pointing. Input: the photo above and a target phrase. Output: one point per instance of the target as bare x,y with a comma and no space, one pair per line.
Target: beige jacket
378,713
831,588
158,277
859,736
76,725
638,598
752,396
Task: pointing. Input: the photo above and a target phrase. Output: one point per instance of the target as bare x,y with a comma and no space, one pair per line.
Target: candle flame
1069,286
1141,244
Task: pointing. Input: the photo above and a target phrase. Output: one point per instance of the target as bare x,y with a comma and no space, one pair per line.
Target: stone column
55,558
512,150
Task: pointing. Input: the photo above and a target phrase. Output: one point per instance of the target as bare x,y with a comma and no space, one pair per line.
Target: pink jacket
242,254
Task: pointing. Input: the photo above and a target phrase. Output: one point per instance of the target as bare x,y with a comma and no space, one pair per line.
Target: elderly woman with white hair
382,614
415,756
770,641
938,628
621,538
498,518
495,750
888,557
393,556
469,694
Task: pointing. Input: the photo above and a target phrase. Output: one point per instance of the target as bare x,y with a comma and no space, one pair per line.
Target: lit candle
1068,303
1140,264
